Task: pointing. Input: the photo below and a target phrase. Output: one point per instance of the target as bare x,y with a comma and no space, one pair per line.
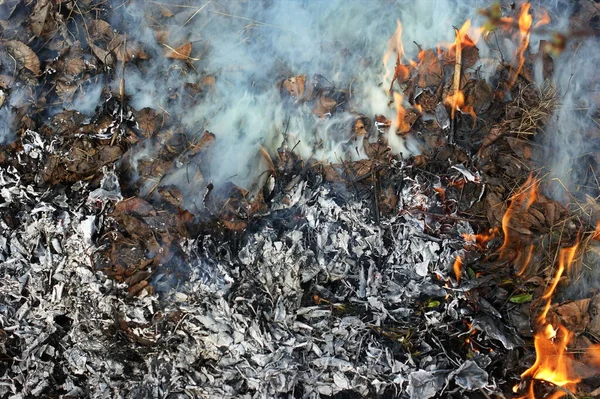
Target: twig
455,84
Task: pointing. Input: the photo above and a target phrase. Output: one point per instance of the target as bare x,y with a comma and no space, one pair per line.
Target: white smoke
251,46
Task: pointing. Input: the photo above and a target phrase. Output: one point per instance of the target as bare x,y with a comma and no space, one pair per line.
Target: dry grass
530,110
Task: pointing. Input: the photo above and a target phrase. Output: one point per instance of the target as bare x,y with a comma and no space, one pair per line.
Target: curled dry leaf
24,55
180,53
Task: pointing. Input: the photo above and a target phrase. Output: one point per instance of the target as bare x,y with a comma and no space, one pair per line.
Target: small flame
553,363
565,260
457,102
401,125
520,201
481,239
596,235
457,268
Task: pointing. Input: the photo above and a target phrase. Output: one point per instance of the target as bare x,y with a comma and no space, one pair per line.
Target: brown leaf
295,86
39,17
573,315
134,205
323,106
104,56
180,53
24,55
101,30
148,122
430,70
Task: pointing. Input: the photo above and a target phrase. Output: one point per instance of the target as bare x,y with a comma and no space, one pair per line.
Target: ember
298,199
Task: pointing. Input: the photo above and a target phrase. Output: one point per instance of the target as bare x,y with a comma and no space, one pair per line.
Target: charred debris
127,272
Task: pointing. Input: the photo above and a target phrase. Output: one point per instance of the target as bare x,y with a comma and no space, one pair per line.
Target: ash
317,298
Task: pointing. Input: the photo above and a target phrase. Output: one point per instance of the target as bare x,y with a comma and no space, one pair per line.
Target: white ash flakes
245,332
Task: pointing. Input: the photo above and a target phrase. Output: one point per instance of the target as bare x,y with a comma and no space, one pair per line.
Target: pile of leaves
321,279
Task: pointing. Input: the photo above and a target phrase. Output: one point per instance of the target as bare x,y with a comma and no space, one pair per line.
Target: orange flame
401,125
525,23
552,363
394,46
457,102
481,239
596,235
565,259
520,201
457,267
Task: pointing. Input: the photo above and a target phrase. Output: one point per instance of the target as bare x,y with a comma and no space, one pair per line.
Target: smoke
251,46
573,136
6,124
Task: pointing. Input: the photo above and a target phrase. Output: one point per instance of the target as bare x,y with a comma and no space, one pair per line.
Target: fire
552,363
596,235
457,267
394,46
401,125
481,239
520,201
525,23
457,102
565,260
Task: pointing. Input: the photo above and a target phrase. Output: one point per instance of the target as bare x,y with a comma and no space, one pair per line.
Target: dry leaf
295,86
101,30
24,55
180,53
323,106
39,17
104,56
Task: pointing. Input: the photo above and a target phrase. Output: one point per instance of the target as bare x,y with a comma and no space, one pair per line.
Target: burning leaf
430,71
180,53
24,55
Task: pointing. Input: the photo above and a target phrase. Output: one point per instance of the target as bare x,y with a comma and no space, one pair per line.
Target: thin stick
455,83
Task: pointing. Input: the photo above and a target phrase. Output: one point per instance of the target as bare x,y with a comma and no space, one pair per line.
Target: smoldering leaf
295,86
180,53
24,55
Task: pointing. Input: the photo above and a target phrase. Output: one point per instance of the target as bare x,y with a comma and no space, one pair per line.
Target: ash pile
405,249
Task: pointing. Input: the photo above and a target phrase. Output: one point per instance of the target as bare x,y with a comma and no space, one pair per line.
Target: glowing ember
457,267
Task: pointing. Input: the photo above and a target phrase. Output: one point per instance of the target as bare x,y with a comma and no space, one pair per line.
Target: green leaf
433,304
471,273
521,298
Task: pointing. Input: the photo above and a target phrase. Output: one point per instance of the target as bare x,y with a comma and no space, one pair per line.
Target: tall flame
394,47
525,23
